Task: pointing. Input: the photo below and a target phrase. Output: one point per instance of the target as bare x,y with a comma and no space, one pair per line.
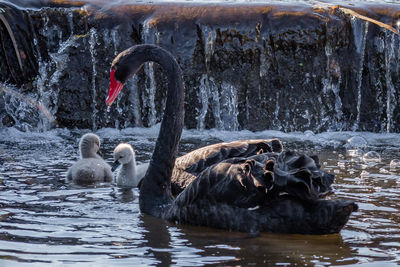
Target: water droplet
395,164
309,133
357,142
372,156
383,170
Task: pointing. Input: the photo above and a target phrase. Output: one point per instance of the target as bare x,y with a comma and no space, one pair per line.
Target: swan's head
126,64
89,145
123,154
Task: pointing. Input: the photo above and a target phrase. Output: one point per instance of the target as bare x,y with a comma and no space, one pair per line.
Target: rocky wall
291,67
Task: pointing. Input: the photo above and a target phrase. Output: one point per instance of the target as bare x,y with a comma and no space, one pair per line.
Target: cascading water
150,36
247,77
27,113
132,86
229,106
221,97
36,112
390,90
360,31
92,42
332,83
204,95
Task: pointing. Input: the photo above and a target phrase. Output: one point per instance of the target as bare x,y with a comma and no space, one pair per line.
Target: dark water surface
45,220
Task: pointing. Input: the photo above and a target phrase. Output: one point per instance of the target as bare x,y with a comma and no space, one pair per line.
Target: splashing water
20,104
357,142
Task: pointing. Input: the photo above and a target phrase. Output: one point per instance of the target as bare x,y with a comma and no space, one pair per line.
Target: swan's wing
235,182
189,166
300,176
259,179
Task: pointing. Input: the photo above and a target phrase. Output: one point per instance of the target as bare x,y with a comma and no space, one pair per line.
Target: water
46,221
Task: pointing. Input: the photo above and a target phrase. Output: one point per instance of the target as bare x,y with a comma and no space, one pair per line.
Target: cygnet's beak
115,165
99,153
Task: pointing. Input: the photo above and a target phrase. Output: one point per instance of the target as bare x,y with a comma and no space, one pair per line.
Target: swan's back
266,192
189,166
91,167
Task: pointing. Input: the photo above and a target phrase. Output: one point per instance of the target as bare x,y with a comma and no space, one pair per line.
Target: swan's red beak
115,88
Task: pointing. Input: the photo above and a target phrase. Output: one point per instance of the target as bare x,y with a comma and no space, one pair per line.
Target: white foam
12,134
326,139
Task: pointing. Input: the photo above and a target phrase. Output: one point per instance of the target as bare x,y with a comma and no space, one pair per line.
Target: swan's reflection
191,245
157,238
126,195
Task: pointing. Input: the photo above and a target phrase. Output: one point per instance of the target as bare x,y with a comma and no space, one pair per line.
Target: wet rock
289,67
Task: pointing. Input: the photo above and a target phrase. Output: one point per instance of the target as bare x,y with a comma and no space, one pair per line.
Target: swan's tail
330,216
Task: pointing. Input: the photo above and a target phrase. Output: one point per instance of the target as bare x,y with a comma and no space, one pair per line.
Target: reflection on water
46,220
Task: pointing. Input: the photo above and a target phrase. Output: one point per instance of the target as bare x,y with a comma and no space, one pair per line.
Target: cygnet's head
89,145
123,154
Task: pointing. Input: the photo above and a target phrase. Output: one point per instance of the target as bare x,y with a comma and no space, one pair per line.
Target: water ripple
46,220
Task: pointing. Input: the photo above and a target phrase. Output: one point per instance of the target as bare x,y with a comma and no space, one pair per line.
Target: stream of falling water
360,31
332,83
390,90
150,36
93,42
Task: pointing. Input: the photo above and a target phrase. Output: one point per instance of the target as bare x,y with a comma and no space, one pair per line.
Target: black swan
130,174
90,168
266,192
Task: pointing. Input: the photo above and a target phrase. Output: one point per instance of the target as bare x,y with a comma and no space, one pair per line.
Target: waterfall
92,48
70,17
35,110
390,90
150,36
207,87
360,31
132,86
115,39
204,94
224,97
150,91
111,40
332,83
251,79
27,113
229,106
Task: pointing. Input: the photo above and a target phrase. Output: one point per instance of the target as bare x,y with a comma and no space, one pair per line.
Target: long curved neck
155,192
